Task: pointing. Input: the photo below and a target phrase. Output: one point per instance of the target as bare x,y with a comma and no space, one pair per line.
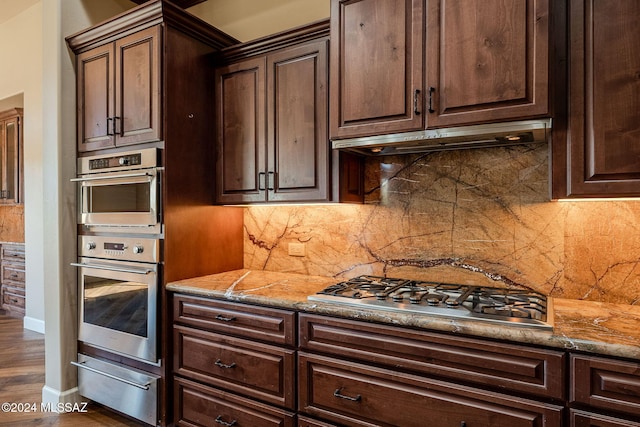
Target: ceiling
11,8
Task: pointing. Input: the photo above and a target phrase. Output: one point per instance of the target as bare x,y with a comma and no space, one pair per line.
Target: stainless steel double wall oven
119,276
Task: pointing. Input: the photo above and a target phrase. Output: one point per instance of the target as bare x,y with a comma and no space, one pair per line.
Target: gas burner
502,305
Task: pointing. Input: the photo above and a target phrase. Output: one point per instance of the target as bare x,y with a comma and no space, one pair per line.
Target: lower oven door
118,307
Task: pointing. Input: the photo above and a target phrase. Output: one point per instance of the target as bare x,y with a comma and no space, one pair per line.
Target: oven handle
108,267
108,375
95,178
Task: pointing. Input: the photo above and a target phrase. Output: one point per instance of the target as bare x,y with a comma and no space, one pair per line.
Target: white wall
21,72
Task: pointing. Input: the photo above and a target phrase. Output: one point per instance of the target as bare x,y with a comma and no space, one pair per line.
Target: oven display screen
114,246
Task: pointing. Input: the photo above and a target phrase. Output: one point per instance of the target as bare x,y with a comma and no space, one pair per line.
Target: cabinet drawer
12,299
271,325
12,273
503,367
587,419
13,253
248,368
198,405
354,394
607,384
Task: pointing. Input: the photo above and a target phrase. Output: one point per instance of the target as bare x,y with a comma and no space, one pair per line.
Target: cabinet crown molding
144,16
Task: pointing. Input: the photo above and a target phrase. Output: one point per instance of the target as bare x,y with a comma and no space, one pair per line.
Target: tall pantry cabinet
145,80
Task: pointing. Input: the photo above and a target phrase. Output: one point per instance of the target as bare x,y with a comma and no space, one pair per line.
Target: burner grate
447,299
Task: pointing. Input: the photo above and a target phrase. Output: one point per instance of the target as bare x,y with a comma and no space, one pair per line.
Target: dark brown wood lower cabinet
588,419
360,395
253,369
199,405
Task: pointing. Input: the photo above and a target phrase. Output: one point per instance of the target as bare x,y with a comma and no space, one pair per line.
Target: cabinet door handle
463,424
261,181
109,126
224,365
342,396
224,423
271,181
225,319
115,126
431,91
416,95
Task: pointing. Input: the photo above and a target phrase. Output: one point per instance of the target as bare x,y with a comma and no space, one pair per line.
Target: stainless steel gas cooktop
502,305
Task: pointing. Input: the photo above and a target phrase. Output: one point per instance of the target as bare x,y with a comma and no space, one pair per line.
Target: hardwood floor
22,379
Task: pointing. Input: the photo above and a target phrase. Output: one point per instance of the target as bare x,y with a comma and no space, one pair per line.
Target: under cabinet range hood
454,138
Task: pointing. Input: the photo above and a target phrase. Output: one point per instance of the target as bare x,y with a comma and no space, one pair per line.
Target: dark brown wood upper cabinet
601,157
11,157
119,92
272,141
397,67
486,61
272,127
376,83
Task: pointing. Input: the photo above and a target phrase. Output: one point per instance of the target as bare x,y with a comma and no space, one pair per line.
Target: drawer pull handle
224,365
224,423
225,319
342,396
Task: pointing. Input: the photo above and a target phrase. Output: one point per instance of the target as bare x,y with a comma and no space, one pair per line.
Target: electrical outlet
297,249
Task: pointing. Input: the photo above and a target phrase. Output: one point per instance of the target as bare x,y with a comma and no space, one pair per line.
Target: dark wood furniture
487,61
271,123
235,360
233,363
12,286
605,392
119,91
357,373
11,156
598,154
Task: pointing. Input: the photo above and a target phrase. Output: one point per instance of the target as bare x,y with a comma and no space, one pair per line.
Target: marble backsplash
479,216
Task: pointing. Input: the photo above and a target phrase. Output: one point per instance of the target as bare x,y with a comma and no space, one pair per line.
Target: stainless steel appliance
130,391
493,304
454,138
120,192
118,279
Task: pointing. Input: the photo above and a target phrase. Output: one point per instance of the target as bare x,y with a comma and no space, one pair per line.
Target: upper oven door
120,199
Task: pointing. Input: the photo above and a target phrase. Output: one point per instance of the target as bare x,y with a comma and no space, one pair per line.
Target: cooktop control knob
138,249
123,161
90,246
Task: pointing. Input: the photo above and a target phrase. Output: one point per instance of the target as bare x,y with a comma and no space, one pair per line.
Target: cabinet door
487,60
297,137
137,97
95,103
376,67
604,100
240,132
11,161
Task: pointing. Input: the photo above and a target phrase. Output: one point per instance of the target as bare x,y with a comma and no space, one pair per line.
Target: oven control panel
120,248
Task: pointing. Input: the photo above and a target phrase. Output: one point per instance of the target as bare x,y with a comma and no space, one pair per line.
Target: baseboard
57,398
32,324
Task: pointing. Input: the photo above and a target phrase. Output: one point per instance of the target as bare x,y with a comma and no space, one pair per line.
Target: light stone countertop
599,328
